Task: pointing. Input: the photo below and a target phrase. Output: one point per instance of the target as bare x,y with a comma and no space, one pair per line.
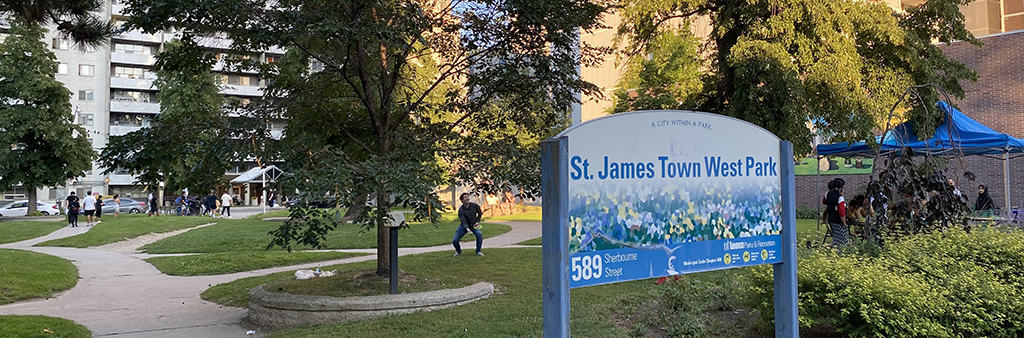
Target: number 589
586,267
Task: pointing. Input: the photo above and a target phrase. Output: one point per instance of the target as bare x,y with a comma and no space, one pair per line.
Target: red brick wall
996,100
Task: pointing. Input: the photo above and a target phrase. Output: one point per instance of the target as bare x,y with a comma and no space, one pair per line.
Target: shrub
807,213
952,284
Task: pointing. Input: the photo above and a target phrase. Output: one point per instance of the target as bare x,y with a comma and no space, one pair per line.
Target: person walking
835,213
67,206
225,205
89,207
72,211
99,207
469,220
72,199
152,205
210,203
117,205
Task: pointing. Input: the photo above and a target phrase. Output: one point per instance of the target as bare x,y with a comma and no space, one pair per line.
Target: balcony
140,36
127,83
119,179
219,67
134,107
132,59
121,130
242,90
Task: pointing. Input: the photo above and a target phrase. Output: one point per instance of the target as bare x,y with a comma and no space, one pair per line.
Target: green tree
666,76
396,84
41,144
194,139
842,64
75,19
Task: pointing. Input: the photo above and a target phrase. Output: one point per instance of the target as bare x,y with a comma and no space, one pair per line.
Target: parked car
20,208
128,205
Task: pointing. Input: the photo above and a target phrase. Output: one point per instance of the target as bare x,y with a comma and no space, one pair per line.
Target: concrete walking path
120,295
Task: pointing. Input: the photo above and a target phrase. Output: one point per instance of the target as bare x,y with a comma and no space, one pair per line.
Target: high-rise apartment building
113,94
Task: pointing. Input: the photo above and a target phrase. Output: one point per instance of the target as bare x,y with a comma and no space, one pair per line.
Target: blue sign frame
577,255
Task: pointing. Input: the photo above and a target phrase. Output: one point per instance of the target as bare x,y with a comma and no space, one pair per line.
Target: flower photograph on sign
651,216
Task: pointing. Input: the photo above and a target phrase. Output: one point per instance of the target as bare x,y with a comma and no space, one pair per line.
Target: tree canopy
42,145
391,99
75,19
839,64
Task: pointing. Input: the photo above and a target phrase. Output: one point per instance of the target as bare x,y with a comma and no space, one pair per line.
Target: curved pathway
120,295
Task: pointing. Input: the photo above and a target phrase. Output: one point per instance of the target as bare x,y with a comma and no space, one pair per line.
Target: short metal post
393,258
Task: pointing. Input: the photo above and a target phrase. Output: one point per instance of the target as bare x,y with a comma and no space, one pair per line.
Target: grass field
238,261
41,326
515,311
27,275
16,231
251,235
125,227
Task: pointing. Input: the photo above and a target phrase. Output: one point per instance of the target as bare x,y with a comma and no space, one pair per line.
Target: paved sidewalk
121,295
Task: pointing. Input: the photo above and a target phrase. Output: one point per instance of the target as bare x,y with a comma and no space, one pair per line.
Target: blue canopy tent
958,134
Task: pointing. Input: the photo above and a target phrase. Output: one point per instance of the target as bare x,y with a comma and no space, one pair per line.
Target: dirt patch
359,283
635,322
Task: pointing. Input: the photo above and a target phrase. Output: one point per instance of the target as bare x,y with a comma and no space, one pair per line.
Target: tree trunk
383,235
32,201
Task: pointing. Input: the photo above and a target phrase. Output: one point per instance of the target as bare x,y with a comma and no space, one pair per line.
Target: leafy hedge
953,284
807,213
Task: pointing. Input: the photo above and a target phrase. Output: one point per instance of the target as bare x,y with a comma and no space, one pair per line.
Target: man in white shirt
89,207
225,205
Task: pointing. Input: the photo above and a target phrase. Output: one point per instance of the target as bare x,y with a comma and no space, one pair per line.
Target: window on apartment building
85,120
61,44
134,49
130,119
241,80
129,72
316,65
62,68
85,95
273,58
133,96
86,70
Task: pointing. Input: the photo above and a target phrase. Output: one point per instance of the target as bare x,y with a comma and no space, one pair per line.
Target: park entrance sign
660,193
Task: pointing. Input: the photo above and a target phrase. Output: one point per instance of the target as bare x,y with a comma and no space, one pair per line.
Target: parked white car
20,208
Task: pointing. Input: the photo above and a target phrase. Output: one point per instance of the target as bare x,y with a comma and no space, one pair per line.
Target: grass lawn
16,231
27,275
804,228
514,311
126,227
34,326
230,262
275,213
251,235
526,213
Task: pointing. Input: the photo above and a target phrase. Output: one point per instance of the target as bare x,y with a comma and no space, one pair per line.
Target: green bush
807,213
952,284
